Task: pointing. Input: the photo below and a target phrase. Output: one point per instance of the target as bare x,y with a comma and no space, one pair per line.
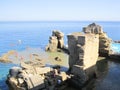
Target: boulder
14,71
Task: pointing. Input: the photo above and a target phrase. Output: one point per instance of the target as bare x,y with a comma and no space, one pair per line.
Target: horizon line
65,21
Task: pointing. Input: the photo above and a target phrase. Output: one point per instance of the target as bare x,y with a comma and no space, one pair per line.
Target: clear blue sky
40,10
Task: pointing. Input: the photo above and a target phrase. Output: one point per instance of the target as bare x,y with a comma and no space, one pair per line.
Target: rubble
28,77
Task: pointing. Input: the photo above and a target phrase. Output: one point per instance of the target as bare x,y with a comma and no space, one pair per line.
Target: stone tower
83,56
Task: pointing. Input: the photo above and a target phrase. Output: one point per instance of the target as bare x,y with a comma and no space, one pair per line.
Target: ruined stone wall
90,50
72,47
104,40
84,50
83,56
83,47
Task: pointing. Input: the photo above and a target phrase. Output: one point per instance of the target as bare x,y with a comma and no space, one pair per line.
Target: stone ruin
32,77
55,41
84,49
104,41
83,56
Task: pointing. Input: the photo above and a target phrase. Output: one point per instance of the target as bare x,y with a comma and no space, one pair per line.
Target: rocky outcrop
83,56
104,44
93,28
104,41
55,41
5,57
60,38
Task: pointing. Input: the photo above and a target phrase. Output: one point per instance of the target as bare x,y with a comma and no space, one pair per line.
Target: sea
20,35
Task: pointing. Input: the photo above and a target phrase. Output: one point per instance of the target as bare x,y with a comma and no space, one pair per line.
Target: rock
5,57
32,77
104,41
58,34
14,71
93,28
5,60
104,44
35,82
25,66
60,37
55,41
64,76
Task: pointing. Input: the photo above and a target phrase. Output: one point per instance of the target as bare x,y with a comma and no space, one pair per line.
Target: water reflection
102,67
109,75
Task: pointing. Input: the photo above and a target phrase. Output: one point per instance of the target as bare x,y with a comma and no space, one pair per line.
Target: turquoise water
20,35
116,47
4,69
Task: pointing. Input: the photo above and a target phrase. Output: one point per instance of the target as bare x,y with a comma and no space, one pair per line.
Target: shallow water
4,70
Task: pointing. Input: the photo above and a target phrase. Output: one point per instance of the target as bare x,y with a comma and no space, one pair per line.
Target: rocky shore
5,57
84,49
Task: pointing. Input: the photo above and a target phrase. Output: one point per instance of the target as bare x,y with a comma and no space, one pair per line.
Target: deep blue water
36,34
19,35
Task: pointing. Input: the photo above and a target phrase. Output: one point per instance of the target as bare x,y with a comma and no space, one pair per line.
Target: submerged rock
5,57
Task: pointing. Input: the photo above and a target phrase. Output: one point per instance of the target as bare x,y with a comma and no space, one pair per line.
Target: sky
59,10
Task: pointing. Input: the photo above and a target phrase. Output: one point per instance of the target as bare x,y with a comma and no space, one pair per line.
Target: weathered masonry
83,56
84,48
